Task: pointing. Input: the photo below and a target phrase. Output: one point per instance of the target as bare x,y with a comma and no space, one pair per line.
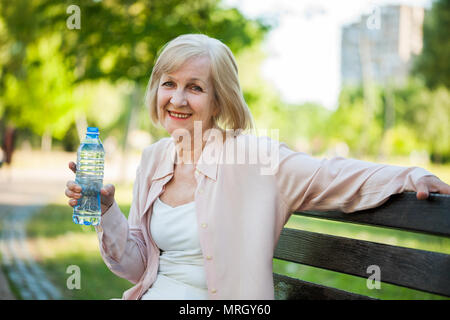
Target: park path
22,194
36,179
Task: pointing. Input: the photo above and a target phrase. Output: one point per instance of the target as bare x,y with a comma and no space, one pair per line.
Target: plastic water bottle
89,176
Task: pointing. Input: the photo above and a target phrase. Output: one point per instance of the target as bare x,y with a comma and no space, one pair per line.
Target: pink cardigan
241,210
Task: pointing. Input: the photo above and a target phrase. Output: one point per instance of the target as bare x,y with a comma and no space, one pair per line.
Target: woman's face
185,96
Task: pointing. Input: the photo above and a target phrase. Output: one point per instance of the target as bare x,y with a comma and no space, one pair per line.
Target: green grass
58,243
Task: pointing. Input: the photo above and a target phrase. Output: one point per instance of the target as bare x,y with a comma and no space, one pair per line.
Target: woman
205,218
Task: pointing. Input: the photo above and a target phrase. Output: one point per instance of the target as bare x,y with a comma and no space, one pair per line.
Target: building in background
380,47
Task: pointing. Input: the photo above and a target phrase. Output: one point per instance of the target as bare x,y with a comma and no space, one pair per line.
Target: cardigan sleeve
307,183
122,243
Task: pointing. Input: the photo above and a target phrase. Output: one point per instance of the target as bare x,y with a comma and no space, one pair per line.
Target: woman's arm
122,243
306,183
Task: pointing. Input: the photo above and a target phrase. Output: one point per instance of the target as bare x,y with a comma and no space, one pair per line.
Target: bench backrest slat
287,288
402,211
412,268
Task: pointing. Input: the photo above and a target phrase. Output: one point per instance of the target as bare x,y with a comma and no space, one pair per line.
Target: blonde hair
233,110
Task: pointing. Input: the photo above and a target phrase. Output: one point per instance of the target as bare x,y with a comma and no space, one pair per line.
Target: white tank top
181,273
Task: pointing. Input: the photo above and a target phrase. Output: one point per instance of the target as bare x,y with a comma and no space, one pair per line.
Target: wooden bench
412,268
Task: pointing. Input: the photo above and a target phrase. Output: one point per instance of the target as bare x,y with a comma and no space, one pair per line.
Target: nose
178,99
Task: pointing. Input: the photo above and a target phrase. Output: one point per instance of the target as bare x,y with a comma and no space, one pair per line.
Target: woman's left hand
428,184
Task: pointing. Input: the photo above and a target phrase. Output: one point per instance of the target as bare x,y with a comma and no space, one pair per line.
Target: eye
197,88
167,84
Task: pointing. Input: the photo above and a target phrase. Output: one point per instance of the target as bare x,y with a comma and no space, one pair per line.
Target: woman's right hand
73,192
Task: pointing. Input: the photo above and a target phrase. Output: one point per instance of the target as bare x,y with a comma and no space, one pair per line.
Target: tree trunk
131,123
46,141
81,124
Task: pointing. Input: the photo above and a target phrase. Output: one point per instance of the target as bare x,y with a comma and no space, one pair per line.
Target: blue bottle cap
92,130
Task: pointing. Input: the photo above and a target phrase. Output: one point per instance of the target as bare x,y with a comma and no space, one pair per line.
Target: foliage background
55,81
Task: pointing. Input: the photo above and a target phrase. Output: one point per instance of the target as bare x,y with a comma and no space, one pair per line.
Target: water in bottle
90,164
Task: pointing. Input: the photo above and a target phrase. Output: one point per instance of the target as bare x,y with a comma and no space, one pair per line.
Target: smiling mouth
177,115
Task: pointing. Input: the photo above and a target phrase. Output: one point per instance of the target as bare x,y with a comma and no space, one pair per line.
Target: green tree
422,122
42,100
351,122
433,64
118,41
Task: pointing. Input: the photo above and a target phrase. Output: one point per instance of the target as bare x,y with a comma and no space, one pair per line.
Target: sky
303,48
